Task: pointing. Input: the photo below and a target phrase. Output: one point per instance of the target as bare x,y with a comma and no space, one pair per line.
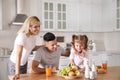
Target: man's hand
16,76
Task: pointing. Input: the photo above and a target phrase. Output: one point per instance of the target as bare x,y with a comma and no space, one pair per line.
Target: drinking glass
48,69
104,64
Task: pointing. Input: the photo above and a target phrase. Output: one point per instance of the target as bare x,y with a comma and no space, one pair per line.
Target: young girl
78,55
25,42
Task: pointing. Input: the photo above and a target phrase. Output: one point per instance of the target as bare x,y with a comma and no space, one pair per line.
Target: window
118,14
54,15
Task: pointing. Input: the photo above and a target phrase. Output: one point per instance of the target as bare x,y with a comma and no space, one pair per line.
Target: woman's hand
16,76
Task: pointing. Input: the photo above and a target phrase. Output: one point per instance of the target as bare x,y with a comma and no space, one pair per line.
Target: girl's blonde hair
30,21
82,38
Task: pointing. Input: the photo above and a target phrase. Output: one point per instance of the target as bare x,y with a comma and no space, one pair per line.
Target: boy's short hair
49,36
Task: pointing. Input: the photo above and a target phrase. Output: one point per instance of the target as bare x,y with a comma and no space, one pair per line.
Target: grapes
64,71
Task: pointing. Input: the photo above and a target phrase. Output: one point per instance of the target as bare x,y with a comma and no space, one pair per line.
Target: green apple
74,68
77,73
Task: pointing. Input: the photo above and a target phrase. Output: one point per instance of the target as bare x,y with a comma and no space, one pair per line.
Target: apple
71,73
74,68
77,73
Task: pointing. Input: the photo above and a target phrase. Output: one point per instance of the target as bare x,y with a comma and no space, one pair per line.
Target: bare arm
18,59
36,47
72,62
66,53
34,67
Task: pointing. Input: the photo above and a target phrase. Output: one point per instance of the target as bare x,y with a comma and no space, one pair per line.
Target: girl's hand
72,64
82,70
16,76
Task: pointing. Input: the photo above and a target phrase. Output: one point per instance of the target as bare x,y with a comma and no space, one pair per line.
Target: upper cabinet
74,15
54,15
67,15
7,13
97,15
118,14
108,9
0,14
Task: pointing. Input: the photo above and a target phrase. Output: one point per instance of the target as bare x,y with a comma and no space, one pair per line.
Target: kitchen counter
4,56
110,52
113,73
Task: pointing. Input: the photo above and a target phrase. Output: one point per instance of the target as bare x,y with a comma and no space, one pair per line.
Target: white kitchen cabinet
3,68
118,14
108,21
60,15
7,13
98,15
0,14
75,15
54,15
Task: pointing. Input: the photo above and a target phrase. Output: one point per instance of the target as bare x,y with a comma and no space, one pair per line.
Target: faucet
91,45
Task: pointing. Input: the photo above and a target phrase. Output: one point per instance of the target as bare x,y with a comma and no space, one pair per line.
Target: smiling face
34,29
79,42
79,46
51,45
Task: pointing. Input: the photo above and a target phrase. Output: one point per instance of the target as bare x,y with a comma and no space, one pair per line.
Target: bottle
87,71
92,77
94,46
94,71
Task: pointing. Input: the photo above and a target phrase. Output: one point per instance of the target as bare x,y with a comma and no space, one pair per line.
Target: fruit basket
70,72
100,70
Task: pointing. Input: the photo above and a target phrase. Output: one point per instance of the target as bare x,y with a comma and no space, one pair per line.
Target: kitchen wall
8,34
111,40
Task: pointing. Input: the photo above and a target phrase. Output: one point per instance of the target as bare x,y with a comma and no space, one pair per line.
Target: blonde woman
25,42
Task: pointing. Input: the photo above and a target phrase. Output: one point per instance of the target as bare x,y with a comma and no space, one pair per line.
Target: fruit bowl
70,72
101,71
72,77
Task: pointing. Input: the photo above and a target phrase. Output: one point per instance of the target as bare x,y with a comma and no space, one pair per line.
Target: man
49,54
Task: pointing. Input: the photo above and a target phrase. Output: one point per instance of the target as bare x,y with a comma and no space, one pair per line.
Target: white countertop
4,56
110,52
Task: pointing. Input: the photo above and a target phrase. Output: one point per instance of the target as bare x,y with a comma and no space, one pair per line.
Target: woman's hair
49,36
80,38
30,21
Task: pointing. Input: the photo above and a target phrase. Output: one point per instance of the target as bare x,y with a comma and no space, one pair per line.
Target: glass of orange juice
48,70
104,64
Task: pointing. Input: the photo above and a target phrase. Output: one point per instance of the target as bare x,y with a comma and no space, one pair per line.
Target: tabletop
113,73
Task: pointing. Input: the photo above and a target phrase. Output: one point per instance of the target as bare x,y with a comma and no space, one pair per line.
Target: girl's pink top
80,59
